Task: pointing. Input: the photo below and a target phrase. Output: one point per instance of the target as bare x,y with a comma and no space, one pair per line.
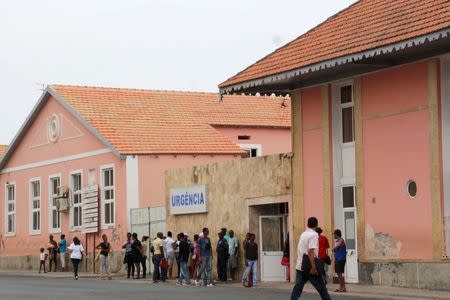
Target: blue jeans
316,281
184,273
205,269
252,266
157,274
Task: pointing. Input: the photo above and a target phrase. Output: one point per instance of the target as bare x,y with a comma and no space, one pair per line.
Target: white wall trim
132,181
5,215
56,160
258,148
30,206
102,197
50,204
75,172
338,180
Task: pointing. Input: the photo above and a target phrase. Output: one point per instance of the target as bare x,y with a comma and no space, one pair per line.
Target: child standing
42,259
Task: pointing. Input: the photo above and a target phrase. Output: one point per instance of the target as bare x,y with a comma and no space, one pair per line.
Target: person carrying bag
309,266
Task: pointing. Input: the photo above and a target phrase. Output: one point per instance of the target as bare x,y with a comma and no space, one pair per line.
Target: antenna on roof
42,86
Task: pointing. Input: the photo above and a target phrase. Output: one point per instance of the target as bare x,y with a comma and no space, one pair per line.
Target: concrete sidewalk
370,291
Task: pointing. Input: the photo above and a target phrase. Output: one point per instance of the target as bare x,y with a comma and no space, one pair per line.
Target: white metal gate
148,221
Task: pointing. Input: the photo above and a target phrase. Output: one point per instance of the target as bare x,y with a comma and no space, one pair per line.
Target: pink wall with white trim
35,146
74,139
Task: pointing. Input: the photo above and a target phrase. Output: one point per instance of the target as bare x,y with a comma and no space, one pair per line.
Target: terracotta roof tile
365,25
145,121
3,149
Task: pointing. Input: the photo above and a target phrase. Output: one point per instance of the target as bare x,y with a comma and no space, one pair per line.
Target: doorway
345,173
269,221
272,233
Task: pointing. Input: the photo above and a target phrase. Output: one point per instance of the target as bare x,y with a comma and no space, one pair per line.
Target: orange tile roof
147,122
3,149
365,25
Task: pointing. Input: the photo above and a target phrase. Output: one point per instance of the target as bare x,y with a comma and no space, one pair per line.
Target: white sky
151,44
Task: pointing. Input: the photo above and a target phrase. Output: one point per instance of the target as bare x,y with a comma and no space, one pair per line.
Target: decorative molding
61,138
49,92
352,58
56,160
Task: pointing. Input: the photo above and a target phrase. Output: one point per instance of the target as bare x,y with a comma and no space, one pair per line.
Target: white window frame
103,201
72,206
343,106
35,210
258,148
8,213
50,204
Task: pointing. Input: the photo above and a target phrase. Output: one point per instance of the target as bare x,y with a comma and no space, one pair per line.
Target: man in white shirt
169,252
308,247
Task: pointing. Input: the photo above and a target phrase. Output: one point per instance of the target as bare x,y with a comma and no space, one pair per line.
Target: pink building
122,140
370,91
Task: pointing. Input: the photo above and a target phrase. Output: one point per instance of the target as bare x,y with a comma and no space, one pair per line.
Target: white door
349,234
344,173
272,233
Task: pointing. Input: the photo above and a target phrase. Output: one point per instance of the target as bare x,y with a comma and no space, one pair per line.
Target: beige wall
233,187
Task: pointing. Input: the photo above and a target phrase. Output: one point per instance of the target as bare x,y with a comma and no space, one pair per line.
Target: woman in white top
76,254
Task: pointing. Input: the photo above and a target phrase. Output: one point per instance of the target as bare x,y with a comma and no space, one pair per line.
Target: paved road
21,288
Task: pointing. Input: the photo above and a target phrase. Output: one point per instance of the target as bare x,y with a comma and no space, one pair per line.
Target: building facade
119,142
370,135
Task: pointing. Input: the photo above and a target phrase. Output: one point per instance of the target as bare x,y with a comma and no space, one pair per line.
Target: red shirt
323,246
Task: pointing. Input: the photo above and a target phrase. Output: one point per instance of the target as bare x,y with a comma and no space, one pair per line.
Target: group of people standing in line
313,260
194,257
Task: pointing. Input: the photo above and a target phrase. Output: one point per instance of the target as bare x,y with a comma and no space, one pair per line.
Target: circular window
54,128
411,188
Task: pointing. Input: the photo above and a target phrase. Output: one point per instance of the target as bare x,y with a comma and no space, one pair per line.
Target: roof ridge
131,89
92,87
